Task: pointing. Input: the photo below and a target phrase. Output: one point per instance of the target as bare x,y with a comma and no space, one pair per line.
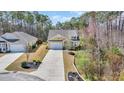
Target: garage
57,45
17,48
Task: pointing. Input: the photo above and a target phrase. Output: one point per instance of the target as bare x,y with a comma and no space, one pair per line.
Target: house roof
9,36
3,40
25,38
21,37
64,33
57,37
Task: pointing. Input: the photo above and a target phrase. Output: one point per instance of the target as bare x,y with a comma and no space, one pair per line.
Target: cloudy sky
61,16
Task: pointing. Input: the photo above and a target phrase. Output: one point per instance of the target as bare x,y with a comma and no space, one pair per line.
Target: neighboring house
3,45
59,39
16,41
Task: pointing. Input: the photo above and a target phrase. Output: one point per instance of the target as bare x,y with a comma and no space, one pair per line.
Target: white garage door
56,45
17,48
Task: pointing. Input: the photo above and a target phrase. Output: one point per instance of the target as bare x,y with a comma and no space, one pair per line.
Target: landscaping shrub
116,50
24,65
33,46
36,60
78,47
71,53
46,47
39,42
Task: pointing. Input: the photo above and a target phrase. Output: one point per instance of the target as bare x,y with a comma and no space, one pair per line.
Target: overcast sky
61,16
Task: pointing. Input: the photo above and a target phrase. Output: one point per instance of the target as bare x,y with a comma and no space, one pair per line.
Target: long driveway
8,59
52,68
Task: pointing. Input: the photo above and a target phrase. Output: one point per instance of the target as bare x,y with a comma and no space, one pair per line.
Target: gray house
59,39
16,41
3,45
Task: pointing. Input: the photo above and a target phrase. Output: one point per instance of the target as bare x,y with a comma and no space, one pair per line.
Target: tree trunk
2,24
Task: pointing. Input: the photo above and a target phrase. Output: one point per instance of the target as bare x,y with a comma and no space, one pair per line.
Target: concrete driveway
8,59
52,68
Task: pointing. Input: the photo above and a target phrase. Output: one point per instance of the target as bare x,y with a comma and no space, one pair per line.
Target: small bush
24,65
33,46
47,47
116,50
39,42
36,60
71,53
83,47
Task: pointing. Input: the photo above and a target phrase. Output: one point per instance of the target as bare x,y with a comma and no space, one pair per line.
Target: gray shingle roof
1,39
64,33
25,38
9,36
22,38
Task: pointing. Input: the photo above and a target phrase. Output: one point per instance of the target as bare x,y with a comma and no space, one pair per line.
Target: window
0,44
75,38
3,44
74,44
4,49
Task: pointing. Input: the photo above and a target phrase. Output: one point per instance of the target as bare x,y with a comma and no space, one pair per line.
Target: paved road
11,76
52,68
8,59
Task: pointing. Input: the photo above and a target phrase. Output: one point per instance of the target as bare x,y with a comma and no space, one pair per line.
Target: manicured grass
38,54
68,63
